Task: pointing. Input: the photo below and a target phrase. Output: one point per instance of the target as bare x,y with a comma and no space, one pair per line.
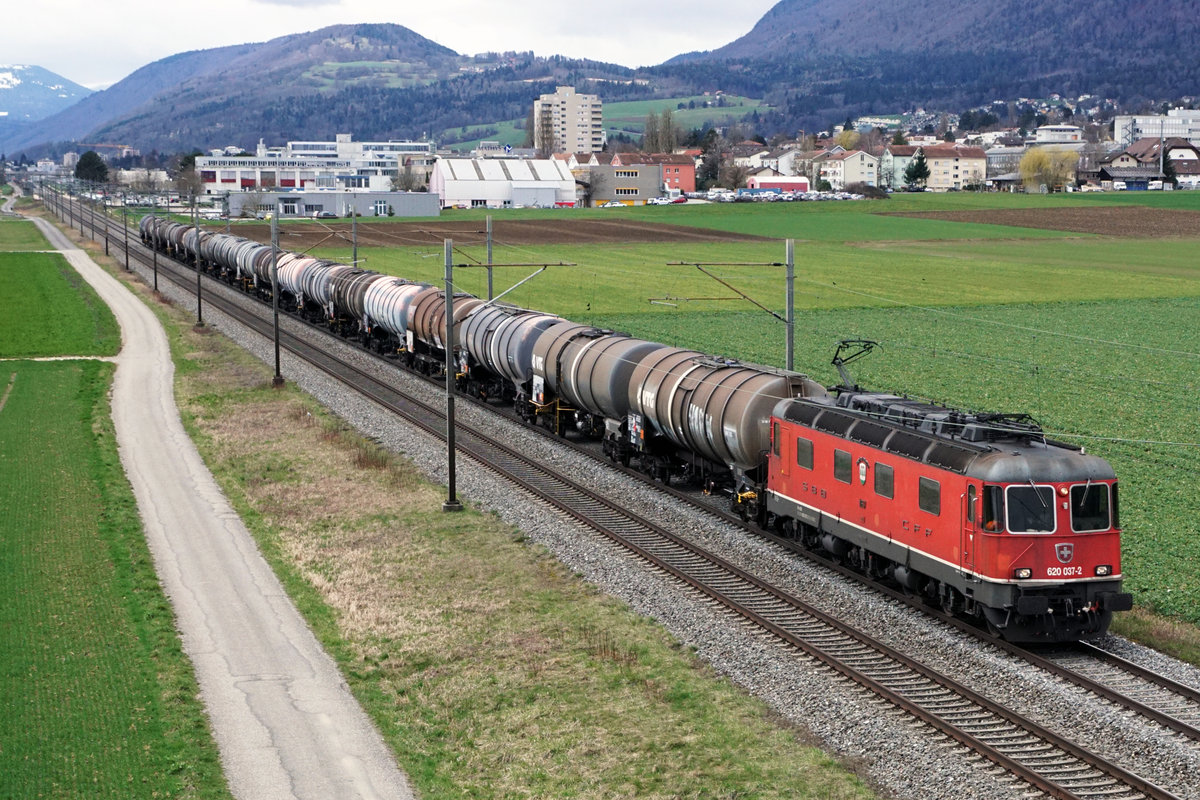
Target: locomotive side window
804,452
993,508
775,438
841,466
884,481
1031,509
1089,507
929,496
1116,516
971,503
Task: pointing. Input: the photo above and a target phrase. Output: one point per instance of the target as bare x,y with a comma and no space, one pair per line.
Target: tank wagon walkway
284,720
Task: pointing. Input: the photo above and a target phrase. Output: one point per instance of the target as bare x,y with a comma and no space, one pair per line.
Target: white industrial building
502,183
341,165
1178,123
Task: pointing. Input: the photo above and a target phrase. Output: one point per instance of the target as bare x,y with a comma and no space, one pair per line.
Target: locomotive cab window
929,496
1031,509
1089,507
775,439
804,452
884,481
841,466
971,503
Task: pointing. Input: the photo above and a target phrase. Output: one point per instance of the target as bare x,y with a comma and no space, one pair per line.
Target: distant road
284,719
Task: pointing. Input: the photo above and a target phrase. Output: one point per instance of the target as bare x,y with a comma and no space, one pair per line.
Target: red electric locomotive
980,513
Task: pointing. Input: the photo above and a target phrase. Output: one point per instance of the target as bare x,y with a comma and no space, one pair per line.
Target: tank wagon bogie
978,514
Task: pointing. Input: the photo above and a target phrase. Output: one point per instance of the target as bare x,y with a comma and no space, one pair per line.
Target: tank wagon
980,514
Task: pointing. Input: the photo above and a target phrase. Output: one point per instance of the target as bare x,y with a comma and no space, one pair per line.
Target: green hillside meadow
1096,336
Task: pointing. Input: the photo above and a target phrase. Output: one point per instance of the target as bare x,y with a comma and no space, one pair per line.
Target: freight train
980,514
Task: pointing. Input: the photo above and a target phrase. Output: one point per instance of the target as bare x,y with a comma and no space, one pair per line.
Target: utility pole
451,503
154,248
354,235
790,293
277,381
199,302
125,226
105,223
489,255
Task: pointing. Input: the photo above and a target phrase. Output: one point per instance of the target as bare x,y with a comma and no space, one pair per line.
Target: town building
1145,162
340,165
954,166
363,203
1003,161
1177,123
951,166
568,122
1058,134
677,173
841,169
892,164
502,183
631,185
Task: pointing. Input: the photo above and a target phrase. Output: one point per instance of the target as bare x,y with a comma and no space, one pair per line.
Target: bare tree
668,137
651,137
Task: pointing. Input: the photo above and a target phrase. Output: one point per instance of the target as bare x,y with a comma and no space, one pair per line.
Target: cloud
298,3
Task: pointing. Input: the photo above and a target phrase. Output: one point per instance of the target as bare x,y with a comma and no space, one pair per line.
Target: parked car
324,215
659,201
680,199
612,204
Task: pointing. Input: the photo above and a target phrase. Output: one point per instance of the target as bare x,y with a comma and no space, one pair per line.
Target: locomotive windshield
1031,509
1089,507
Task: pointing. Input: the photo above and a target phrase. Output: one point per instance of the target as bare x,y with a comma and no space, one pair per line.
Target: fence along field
1097,336
98,699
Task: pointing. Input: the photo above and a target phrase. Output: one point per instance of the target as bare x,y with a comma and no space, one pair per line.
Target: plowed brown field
471,232
1126,221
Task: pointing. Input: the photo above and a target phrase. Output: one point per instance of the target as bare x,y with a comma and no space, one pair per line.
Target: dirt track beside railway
1123,221
471,232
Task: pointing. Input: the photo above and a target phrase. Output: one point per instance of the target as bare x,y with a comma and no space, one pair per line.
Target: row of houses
951,166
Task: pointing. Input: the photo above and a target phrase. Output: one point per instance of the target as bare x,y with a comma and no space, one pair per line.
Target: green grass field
1098,337
20,235
50,310
97,698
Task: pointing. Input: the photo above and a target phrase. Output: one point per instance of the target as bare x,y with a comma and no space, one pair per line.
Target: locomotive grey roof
1010,450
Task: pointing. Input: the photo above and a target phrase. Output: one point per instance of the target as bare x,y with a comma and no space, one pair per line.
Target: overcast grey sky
98,42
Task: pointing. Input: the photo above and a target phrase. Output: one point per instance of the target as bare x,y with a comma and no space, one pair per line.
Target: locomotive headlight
1104,569
1022,572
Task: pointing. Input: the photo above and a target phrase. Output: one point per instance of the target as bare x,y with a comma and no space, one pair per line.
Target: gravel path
285,722
899,756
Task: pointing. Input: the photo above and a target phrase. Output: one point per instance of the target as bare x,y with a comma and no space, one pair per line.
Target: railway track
1045,760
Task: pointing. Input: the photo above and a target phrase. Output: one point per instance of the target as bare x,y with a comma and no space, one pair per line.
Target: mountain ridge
814,62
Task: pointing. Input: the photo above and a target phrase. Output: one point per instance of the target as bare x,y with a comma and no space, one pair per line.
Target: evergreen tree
917,171
899,138
91,167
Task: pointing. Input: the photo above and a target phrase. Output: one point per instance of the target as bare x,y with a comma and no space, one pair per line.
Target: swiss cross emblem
1065,552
